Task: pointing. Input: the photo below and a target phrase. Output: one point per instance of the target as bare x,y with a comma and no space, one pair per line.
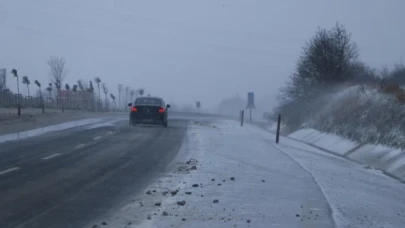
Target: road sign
251,100
198,104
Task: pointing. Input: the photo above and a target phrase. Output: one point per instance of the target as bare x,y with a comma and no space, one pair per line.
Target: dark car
148,110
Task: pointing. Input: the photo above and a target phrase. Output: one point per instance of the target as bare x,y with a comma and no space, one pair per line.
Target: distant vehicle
148,110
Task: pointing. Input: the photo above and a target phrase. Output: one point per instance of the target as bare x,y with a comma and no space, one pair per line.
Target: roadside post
198,105
278,128
251,104
241,117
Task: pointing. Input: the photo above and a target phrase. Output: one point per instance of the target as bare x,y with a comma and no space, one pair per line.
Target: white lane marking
109,133
80,146
9,170
51,156
98,137
315,209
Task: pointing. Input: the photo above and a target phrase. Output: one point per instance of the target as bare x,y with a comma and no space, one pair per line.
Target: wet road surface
66,178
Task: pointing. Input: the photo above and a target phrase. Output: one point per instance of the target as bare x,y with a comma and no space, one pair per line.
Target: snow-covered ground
388,159
360,196
231,176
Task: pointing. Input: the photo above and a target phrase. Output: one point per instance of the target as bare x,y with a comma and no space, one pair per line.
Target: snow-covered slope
360,113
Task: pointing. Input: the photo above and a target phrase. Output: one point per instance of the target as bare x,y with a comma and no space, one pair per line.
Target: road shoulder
229,175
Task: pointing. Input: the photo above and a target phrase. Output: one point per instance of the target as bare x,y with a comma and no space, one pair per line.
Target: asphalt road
67,178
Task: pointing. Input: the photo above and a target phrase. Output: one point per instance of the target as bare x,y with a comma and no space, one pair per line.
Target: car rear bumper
148,119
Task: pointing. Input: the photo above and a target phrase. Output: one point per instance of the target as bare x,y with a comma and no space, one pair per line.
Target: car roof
149,98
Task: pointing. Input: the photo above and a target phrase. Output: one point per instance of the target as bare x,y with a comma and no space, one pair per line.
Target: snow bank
390,160
326,141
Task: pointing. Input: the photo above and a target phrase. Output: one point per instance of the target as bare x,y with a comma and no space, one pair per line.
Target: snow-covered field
231,176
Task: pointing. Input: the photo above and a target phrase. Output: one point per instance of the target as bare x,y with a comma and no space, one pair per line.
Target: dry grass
394,89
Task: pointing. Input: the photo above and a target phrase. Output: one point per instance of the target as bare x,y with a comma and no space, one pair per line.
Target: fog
185,50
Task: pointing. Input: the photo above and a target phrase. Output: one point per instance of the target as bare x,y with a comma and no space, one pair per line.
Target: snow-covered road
232,176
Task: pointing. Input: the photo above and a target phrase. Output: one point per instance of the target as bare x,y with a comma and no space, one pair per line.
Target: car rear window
148,101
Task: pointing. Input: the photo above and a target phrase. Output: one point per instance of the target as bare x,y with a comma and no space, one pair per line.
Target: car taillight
161,110
134,109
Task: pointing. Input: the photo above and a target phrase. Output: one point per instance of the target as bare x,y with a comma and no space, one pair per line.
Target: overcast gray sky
188,50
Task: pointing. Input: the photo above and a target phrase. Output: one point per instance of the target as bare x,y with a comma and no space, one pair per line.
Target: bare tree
57,69
80,85
97,80
105,91
329,56
74,88
397,74
39,87
58,87
27,83
132,94
120,88
40,95
49,89
113,99
140,91
82,89
328,60
91,91
126,94
67,87
14,72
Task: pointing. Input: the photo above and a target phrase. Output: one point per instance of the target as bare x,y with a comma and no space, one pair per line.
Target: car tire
165,124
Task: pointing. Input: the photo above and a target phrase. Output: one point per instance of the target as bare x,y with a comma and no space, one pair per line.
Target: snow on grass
369,153
362,114
324,140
